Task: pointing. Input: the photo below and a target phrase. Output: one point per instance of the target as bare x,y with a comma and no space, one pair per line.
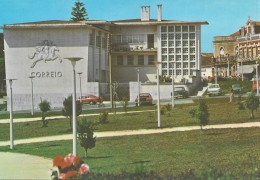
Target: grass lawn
221,112
58,113
230,150
225,85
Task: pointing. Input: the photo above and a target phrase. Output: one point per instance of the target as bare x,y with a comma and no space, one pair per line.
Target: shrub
85,135
67,109
163,109
103,117
44,107
252,103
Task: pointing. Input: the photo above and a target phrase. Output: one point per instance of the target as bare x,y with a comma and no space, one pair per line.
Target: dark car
237,88
180,92
145,98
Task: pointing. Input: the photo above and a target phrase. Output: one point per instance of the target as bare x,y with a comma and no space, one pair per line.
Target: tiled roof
236,33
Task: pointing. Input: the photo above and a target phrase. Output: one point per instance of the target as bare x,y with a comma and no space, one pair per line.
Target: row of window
178,43
179,65
178,50
130,60
178,72
178,36
178,28
130,38
179,58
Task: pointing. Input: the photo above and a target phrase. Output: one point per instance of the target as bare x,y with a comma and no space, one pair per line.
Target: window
192,65
164,28
185,43
171,43
178,58
164,58
171,28
192,35
171,65
91,39
185,58
171,72
185,65
178,36
171,36
221,53
185,50
120,60
164,72
178,28
171,58
171,50
104,44
192,50
164,65
192,28
184,28
185,72
178,50
130,60
178,43
178,72
192,43
192,58
164,43
98,41
185,36
150,59
164,36
164,50
141,60
178,65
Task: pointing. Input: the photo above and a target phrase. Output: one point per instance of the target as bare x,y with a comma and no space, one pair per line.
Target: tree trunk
252,114
86,154
201,130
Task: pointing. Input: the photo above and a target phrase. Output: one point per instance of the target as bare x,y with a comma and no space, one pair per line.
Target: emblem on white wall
45,52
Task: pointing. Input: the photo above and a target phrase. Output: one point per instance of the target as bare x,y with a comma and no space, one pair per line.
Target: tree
125,103
86,135
44,107
67,109
79,12
201,114
252,103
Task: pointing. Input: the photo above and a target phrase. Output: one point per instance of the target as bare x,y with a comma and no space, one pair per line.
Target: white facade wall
53,79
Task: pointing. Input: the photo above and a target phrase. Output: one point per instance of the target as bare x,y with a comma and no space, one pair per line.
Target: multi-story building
237,50
111,51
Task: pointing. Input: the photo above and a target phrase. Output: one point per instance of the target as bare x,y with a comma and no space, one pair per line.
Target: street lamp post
138,80
173,103
158,95
228,65
11,113
32,110
74,120
79,73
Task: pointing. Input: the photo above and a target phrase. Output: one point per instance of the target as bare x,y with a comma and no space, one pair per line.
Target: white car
214,89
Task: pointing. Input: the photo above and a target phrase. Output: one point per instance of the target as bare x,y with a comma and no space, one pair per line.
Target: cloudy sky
224,16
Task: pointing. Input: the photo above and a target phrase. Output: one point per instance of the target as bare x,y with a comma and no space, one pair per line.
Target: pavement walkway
20,120
22,166
131,132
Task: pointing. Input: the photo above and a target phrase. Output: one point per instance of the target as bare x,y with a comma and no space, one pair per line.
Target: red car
145,98
90,99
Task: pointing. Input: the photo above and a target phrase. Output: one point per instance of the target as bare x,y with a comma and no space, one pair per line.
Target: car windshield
144,95
179,89
214,86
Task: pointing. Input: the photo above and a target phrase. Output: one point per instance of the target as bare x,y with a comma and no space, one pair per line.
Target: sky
224,16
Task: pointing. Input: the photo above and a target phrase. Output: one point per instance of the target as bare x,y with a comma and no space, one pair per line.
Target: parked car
237,88
145,98
90,99
254,85
214,89
180,92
